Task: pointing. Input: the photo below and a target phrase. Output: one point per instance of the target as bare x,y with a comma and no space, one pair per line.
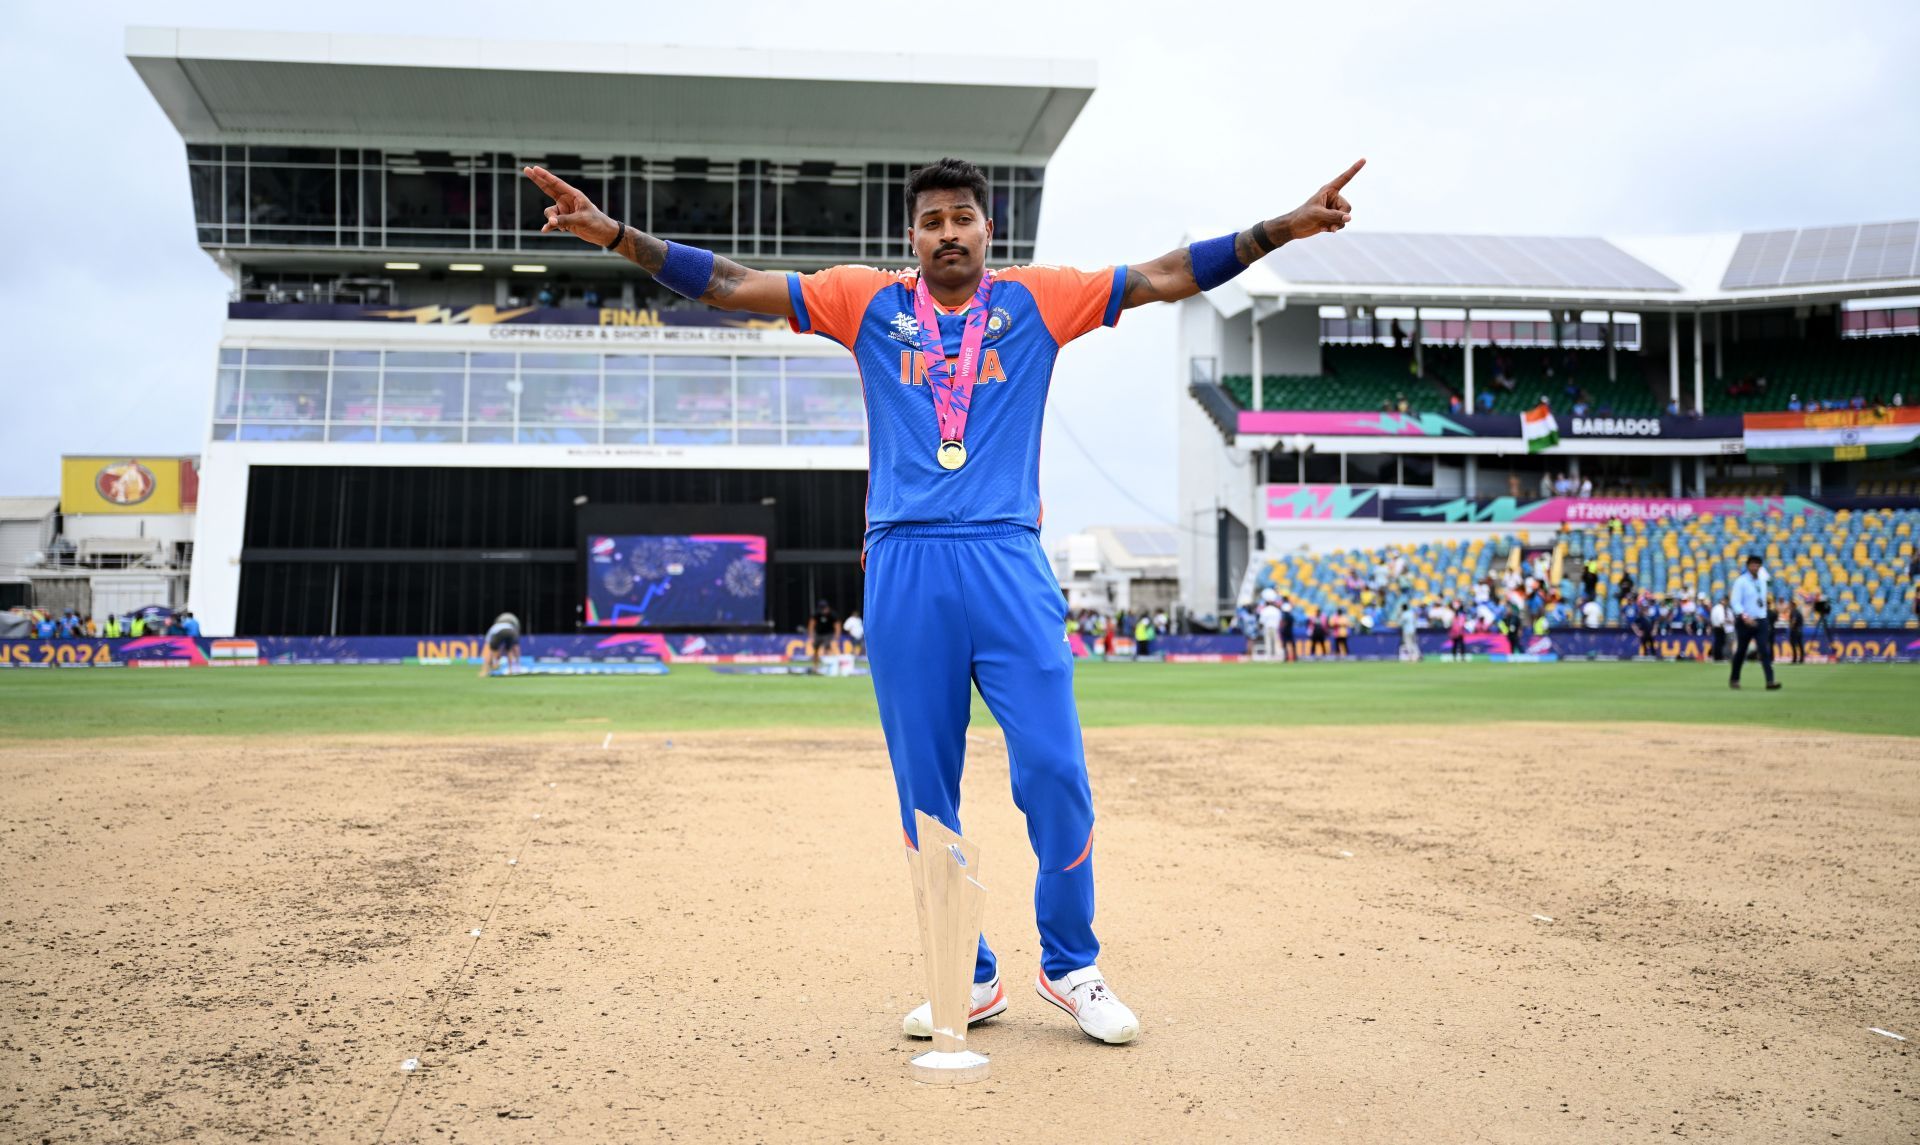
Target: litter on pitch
1886,1033
409,1065
1543,918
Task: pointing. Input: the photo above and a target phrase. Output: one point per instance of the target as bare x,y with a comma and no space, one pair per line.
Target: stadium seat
1858,560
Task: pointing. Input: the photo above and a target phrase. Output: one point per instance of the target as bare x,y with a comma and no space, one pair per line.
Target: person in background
1590,578
1913,570
45,628
1823,624
1409,631
139,626
1796,631
855,630
190,625
1591,614
1719,622
1586,487
1289,650
112,627
1752,621
89,627
1624,589
1337,627
1457,632
1143,637
1317,633
1269,625
501,645
822,627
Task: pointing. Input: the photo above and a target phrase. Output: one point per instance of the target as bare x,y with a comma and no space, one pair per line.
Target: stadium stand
1858,559
1365,377
1836,371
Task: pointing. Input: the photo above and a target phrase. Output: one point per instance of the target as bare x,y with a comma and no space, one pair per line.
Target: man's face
949,234
1753,567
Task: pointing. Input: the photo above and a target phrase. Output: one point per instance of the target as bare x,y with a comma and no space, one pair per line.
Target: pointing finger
1347,175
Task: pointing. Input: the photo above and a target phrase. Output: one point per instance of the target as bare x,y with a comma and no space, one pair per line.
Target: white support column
1466,355
1472,480
1253,323
1419,346
1699,367
1673,362
1699,477
1719,350
213,593
1678,482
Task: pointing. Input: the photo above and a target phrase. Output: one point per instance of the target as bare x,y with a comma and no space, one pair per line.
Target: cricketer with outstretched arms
955,360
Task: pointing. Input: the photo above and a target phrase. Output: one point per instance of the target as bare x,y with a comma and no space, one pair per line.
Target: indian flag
1539,428
1831,435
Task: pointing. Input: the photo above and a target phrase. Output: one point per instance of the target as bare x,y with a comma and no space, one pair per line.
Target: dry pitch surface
1331,935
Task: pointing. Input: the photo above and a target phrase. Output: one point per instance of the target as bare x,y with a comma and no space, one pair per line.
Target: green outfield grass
453,701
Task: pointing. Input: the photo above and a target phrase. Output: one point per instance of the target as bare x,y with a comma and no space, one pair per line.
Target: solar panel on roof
1528,261
1147,543
1862,252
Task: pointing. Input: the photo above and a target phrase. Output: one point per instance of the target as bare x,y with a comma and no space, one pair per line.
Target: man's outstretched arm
728,285
1173,275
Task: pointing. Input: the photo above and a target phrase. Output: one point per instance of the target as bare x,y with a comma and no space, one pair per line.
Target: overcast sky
1526,118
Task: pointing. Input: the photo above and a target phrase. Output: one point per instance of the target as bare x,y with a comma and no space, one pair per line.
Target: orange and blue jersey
959,593
1034,311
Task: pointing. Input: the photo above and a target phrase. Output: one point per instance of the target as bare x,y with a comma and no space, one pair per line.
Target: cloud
1628,118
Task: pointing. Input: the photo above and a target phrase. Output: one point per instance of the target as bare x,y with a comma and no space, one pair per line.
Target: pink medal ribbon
952,386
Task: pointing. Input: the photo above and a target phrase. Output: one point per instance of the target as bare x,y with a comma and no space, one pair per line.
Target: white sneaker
1084,995
989,998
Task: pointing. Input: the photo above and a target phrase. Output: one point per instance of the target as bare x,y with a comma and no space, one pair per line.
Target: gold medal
951,455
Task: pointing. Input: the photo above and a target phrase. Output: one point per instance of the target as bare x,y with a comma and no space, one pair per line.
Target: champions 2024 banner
1875,645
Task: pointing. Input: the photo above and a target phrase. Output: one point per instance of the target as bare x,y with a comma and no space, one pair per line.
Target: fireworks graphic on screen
744,577
618,580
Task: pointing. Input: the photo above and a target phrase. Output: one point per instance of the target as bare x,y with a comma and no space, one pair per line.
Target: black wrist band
617,236
1261,242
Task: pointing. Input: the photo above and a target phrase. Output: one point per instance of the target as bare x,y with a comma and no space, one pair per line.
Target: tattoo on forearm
727,277
641,249
1253,244
1139,288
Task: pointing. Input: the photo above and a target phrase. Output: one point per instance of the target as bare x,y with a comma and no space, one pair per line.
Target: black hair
946,175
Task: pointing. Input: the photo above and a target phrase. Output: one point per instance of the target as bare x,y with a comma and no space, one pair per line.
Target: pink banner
1320,502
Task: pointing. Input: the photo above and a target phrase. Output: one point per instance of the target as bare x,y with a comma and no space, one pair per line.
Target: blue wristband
1214,262
687,270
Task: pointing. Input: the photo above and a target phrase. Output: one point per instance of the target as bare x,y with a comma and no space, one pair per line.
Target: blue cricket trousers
954,607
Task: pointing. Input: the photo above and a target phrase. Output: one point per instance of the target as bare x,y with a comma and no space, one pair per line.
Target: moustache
955,248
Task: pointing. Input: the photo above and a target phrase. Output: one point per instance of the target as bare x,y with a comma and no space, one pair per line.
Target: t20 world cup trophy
949,898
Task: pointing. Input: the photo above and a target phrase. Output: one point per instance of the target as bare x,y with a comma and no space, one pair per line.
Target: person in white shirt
855,630
1586,487
1590,613
1718,620
1753,621
1482,592
1270,629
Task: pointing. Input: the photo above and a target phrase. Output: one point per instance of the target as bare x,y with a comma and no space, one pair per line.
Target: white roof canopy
225,86
1723,271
